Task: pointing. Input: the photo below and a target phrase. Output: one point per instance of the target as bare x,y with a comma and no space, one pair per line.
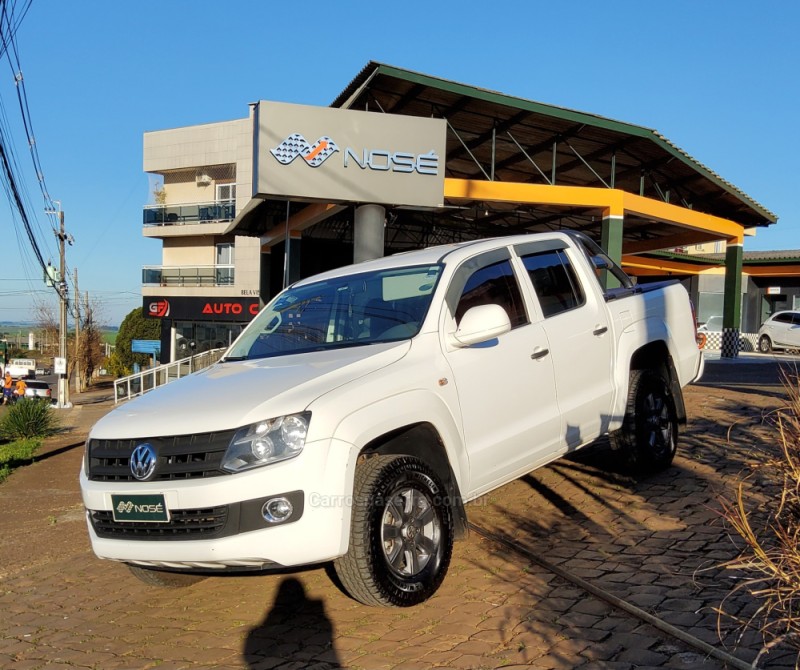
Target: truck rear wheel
401,535
164,578
648,438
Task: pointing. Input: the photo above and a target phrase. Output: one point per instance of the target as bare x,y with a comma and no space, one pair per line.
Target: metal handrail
188,275
215,211
140,383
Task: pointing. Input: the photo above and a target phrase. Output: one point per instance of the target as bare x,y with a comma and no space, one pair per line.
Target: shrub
14,454
28,418
770,559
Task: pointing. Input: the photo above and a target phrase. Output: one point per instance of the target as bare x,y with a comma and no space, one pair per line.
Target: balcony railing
187,275
199,212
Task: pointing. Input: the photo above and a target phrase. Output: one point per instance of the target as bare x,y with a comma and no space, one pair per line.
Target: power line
10,20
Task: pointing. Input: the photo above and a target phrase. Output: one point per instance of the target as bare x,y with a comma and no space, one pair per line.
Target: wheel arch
656,356
415,423
422,440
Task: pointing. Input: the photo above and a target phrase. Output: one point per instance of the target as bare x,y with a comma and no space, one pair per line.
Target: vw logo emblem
143,461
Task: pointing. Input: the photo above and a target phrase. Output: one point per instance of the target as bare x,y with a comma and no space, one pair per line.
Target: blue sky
719,79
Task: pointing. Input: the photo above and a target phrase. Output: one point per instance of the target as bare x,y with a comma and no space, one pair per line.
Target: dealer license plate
147,508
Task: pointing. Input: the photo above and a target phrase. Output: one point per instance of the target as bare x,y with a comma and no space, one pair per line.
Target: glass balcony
179,215
187,275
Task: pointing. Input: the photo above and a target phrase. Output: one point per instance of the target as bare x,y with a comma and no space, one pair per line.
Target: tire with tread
648,437
401,534
164,578
765,344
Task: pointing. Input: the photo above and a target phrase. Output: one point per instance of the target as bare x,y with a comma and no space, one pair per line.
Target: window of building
493,284
224,269
554,281
226,192
225,254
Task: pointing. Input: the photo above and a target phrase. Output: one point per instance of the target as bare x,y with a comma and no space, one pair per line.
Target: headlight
267,442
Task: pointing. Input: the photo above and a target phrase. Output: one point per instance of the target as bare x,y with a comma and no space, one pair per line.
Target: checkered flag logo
296,145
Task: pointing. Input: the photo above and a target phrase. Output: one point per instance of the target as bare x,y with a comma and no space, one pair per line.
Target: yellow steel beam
772,270
540,194
612,202
659,266
681,216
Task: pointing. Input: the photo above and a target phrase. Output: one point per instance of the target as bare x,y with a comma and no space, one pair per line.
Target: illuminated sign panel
343,155
201,309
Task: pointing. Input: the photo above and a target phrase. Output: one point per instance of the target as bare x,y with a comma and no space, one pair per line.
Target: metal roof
491,134
764,257
749,258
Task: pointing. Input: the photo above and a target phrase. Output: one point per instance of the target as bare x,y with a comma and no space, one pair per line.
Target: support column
611,241
732,301
368,232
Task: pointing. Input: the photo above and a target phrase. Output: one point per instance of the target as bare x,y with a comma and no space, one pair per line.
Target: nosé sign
343,155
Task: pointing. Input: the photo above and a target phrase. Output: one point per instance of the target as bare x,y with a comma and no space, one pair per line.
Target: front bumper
216,523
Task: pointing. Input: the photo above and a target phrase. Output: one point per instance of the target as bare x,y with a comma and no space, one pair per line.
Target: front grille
184,524
179,457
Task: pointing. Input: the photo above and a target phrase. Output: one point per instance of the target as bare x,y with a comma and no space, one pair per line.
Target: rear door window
554,280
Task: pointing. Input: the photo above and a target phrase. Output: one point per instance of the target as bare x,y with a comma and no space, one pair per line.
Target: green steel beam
611,241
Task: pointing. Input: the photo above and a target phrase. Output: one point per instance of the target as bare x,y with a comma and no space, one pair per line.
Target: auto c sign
201,309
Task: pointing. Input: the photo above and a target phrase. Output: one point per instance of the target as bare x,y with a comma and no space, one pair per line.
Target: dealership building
402,160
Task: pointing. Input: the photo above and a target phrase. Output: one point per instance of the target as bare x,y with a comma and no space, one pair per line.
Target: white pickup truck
363,407
21,368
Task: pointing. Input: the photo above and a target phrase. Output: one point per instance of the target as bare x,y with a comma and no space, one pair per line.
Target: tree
90,347
88,355
133,327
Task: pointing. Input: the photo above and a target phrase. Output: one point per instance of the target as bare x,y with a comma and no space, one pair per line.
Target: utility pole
61,361
88,323
63,387
78,388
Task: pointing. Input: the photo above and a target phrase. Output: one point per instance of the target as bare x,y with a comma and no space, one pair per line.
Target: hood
234,394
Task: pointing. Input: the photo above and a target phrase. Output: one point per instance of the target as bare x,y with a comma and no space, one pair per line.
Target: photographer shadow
296,628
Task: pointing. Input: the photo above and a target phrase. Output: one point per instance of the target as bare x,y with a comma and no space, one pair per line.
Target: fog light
276,510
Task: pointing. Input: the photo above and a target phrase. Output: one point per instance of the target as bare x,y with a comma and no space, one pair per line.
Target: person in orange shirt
19,391
7,386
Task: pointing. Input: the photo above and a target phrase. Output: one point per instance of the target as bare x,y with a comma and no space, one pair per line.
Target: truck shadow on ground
657,541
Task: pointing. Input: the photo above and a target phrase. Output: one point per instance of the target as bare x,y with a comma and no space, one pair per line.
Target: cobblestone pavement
656,542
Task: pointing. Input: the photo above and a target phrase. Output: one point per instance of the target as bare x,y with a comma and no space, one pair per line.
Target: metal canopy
492,136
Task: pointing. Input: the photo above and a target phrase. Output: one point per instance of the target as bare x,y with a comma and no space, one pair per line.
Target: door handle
536,355
599,330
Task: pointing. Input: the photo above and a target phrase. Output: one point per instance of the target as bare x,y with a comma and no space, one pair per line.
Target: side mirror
481,324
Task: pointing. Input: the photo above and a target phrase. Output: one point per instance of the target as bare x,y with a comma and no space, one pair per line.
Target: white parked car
780,331
360,410
37,389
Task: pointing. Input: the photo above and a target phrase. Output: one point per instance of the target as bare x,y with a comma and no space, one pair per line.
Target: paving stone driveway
658,543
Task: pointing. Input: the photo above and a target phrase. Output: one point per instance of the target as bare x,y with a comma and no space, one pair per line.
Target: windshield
381,306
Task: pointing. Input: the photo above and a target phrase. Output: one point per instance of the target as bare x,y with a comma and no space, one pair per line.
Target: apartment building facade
207,287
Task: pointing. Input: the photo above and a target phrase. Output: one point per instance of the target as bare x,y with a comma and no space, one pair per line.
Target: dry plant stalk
770,560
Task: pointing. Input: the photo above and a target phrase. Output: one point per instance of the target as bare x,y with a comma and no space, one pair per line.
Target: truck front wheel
648,438
401,535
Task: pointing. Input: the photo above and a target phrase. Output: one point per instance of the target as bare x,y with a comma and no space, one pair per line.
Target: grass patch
768,567
17,453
